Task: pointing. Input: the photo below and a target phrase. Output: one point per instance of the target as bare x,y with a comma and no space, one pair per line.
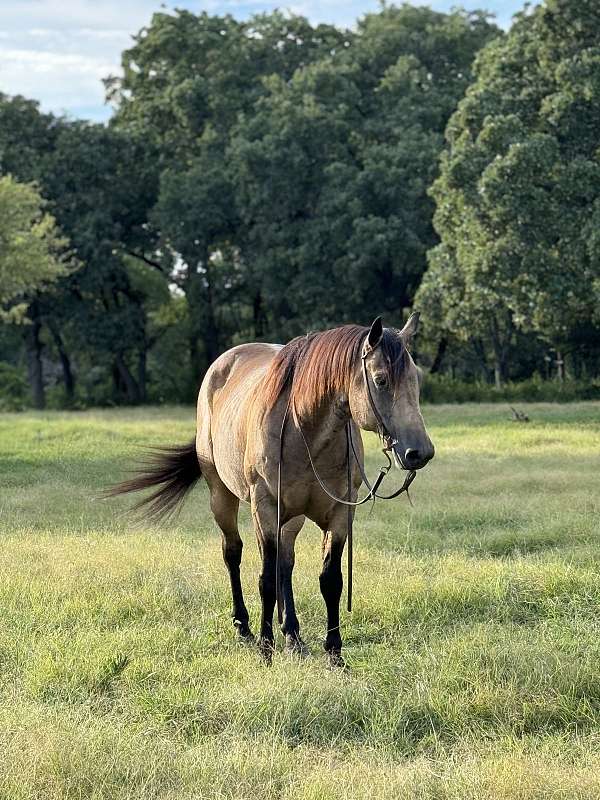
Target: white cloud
69,15
59,52
62,81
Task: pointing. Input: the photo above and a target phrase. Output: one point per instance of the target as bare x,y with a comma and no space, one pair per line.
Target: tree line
260,179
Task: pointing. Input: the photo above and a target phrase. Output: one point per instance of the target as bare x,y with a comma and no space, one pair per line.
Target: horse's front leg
331,581
290,626
264,512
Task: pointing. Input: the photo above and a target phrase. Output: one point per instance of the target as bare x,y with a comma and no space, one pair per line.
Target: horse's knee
232,551
266,582
331,582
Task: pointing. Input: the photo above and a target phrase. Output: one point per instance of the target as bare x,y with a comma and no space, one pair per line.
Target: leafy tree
32,256
186,80
332,167
98,184
102,187
186,71
31,247
518,199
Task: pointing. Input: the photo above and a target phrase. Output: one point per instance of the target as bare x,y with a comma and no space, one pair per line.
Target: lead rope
350,519
279,515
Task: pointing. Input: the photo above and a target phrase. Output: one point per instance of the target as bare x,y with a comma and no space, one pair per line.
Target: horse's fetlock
266,647
295,646
333,641
335,660
242,627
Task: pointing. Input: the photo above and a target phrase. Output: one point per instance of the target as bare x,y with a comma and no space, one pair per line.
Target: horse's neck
327,423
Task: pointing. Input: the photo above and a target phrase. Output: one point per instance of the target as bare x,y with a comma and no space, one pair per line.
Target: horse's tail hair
174,470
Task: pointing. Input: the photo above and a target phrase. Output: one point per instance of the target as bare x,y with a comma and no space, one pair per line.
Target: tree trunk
212,332
142,361
500,366
498,375
560,366
500,349
116,384
439,356
193,296
203,326
211,337
132,391
65,362
34,358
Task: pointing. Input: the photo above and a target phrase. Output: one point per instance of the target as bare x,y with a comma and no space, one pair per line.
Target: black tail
173,469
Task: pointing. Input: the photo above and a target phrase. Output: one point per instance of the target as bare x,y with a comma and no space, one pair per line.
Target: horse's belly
231,422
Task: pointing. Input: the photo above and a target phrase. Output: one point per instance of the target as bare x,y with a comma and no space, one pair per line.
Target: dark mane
319,365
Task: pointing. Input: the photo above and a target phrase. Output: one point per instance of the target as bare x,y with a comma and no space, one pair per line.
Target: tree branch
146,260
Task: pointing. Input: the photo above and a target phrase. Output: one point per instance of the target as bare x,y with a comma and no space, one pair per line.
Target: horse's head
384,396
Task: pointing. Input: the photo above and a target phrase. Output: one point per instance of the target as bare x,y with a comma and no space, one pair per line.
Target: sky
58,51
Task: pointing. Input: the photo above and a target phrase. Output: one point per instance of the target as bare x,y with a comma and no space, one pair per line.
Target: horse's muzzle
413,457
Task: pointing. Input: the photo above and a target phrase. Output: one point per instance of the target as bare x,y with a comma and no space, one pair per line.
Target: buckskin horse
278,427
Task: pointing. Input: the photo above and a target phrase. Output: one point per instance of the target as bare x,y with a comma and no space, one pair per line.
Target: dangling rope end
350,516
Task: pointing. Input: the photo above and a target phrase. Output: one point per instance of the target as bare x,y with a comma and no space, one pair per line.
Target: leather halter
372,493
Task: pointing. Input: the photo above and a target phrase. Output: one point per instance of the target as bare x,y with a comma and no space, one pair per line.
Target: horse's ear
375,333
411,327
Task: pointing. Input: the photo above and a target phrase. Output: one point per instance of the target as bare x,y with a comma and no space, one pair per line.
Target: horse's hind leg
224,506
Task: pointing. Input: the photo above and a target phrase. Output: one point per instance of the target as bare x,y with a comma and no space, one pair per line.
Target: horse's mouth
397,460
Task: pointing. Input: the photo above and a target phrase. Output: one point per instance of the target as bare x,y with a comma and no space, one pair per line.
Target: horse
278,427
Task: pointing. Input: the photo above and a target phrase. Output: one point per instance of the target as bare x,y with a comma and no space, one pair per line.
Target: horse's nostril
411,456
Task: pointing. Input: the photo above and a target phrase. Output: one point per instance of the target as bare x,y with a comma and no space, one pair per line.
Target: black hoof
335,660
243,631
266,648
295,646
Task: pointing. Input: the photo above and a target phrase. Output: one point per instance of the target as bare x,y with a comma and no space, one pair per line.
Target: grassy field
474,645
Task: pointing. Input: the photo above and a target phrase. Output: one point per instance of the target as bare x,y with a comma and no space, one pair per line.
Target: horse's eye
380,381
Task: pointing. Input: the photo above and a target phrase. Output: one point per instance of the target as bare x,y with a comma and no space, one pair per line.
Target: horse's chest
302,493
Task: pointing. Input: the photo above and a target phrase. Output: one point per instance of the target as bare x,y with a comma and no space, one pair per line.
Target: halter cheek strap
383,431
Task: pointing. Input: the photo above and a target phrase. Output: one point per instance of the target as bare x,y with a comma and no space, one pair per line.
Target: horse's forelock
395,352
321,364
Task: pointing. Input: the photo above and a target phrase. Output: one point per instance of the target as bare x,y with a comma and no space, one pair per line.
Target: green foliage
445,389
98,184
31,247
13,388
332,168
266,177
296,172
518,197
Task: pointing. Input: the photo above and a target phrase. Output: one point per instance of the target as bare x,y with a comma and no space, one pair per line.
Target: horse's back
224,404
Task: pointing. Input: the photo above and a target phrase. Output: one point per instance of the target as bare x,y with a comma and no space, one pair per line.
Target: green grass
474,644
